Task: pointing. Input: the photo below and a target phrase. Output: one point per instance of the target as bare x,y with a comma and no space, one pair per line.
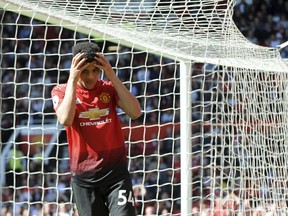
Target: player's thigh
120,199
89,201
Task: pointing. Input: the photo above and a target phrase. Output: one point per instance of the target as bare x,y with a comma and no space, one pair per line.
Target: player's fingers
79,62
82,64
99,57
102,62
78,57
75,57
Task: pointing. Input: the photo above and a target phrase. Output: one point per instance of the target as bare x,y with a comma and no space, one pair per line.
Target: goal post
186,146
212,135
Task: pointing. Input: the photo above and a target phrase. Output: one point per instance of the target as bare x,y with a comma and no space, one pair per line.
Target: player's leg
89,201
120,199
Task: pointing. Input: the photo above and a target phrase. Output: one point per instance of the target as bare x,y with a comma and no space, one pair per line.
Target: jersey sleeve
57,95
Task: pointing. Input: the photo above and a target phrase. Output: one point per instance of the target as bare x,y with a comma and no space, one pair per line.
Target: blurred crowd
155,165
263,22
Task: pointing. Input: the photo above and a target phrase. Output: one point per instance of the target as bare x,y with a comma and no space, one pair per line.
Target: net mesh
236,95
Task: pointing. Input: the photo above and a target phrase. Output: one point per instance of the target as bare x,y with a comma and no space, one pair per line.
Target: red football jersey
96,142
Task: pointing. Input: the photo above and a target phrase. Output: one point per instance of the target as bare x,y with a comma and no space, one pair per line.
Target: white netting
236,92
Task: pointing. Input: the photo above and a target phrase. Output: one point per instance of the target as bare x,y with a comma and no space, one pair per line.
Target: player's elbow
136,114
133,111
64,119
65,122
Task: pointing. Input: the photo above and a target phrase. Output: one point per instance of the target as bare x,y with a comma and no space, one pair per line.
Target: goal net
212,135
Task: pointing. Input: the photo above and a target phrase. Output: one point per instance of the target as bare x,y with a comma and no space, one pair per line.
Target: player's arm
66,110
127,101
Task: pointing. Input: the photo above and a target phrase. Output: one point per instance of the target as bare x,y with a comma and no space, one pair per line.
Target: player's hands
77,66
104,64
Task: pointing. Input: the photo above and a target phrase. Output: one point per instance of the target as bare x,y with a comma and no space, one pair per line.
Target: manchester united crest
105,97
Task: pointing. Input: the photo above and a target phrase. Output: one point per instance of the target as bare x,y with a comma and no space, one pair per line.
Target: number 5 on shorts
123,199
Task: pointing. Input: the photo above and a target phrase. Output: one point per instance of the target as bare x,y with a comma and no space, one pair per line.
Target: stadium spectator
16,165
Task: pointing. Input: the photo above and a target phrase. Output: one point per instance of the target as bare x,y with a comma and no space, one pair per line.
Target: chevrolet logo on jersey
94,114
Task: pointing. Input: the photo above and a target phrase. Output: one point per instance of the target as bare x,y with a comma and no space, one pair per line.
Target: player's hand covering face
84,72
103,64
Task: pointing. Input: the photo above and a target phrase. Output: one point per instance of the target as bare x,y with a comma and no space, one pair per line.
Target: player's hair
88,48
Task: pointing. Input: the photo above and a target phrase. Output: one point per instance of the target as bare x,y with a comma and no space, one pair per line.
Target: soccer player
87,107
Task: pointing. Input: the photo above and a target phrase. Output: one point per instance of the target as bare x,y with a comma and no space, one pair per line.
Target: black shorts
113,199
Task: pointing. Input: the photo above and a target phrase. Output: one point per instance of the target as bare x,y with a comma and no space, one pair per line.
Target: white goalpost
212,135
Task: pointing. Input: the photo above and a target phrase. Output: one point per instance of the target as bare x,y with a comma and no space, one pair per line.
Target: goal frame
185,71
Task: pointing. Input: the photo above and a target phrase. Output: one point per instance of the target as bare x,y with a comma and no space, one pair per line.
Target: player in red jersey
87,107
